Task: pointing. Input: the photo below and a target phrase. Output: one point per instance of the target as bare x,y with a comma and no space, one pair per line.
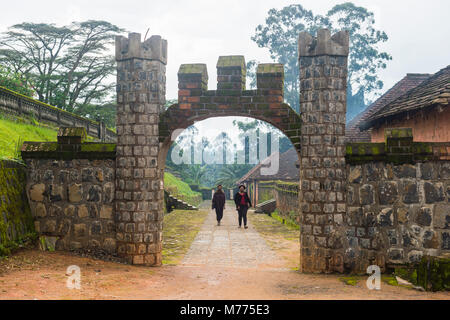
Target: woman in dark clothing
242,201
218,203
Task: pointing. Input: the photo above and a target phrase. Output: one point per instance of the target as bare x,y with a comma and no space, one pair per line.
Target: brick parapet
196,102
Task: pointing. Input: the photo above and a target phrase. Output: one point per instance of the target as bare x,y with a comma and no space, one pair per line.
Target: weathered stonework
406,218
70,185
141,80
16,221
398,210
323,85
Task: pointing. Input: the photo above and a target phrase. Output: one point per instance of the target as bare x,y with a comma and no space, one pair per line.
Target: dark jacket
218,200
237,199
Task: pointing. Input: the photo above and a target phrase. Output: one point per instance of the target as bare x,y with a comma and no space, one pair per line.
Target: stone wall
16,221
398,201
70,187
397,213
16,104
286,195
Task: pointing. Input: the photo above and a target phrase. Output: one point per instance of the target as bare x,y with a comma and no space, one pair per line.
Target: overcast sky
199,31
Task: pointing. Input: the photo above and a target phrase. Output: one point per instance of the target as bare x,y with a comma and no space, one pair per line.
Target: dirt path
222,263
229,246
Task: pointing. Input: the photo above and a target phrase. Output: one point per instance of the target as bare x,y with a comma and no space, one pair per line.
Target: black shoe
245,227
218,223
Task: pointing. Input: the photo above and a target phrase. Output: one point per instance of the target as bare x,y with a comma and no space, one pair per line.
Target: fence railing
16,104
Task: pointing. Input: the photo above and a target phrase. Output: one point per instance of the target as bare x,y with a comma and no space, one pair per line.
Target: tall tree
68,66
279,35
99,112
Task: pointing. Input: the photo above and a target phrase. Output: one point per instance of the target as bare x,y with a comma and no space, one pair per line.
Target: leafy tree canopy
280,32
69,67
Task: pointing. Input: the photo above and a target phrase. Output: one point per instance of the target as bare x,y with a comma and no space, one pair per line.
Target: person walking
218,203
242,201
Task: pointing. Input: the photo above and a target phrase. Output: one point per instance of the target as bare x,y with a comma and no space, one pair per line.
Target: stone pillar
323,84
141,68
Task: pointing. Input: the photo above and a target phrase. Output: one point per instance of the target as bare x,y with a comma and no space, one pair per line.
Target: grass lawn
179,230
14,133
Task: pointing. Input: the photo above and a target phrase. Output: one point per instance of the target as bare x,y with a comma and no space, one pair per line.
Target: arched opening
274,230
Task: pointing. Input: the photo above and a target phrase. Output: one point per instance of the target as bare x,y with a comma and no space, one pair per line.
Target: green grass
181,189
285,220
14,132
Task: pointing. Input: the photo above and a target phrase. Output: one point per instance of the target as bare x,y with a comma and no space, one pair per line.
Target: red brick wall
430,126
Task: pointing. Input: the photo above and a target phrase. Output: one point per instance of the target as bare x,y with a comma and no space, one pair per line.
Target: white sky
199,31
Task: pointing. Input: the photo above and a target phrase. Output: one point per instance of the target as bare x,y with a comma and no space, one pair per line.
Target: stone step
181,204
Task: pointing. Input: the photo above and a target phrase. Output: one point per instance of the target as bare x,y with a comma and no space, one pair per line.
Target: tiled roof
352,131
287,169
435,90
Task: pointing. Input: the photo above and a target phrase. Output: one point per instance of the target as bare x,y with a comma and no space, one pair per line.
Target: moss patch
351,280
179,230
432,273
16,221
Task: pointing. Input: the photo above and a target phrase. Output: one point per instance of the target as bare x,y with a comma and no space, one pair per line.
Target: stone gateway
359,204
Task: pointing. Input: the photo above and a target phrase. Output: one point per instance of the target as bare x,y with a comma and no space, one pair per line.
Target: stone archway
144,131
197,103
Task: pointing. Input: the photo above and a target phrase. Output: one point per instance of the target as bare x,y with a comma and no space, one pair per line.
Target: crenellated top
231,72
231,77
154,48
323,44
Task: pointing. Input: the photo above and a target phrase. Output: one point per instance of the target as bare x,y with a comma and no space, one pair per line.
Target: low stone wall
286,195
71,188
16,221
287,200
16,104
72,201
398,203
399,211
